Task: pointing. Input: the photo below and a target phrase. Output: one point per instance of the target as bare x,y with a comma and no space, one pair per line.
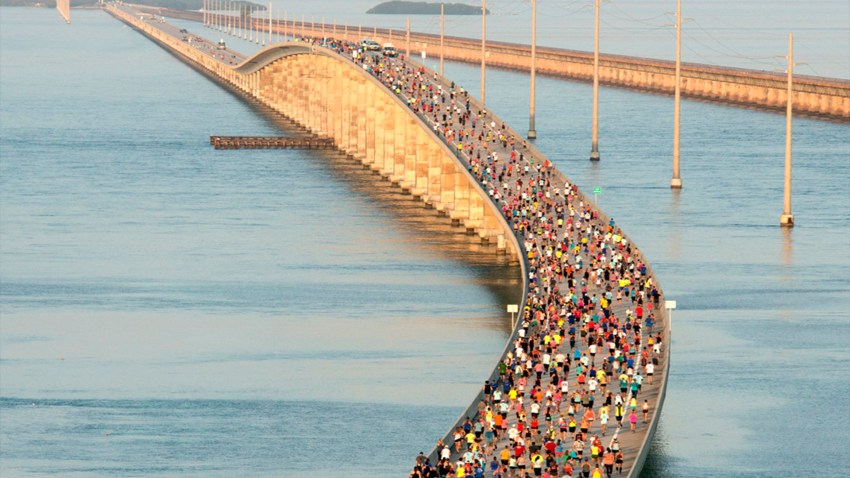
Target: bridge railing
472,409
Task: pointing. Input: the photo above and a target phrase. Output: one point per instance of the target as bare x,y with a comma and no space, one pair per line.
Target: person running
608,460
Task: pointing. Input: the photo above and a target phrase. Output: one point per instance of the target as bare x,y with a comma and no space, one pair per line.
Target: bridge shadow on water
420,225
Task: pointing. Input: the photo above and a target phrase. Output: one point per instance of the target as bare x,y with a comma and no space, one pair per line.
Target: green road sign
597,190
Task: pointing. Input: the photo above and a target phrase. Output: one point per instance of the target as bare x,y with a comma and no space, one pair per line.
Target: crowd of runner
586,341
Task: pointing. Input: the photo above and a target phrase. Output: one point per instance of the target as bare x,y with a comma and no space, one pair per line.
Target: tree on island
399,7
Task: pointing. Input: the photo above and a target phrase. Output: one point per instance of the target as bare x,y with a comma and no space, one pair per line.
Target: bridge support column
336,112
460,210
313,115
448,176
361,106
491,229
326,102
475,218
421,187
435,159
410,134
399,146
376,162
345,117
370,124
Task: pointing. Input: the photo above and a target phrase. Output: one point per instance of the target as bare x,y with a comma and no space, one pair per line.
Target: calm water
747,34
214,313
171,310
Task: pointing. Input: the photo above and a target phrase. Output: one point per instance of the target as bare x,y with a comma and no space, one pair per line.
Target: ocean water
761,337
751,34
170,310
162,301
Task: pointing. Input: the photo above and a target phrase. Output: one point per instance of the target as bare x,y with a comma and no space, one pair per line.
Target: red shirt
518,451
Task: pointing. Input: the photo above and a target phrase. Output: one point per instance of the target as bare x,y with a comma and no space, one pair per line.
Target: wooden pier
269,142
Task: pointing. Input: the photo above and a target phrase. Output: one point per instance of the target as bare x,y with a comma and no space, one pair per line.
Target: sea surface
746,34
171,310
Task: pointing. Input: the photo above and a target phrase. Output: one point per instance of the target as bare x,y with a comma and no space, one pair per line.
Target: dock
270,142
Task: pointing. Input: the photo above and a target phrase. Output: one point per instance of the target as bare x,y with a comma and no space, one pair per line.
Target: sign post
596,192
513,309
670,305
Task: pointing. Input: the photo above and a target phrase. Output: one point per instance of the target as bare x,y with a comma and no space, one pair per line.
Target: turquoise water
171,310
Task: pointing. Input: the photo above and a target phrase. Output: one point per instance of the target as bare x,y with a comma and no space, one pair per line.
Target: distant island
398,7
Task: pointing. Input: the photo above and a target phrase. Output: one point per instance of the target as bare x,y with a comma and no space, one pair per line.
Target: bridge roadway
575,260
826,98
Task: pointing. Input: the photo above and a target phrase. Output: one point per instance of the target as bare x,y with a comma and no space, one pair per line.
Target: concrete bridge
827,98
384,113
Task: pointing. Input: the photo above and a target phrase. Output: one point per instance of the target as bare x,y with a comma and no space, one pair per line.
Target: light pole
787,219
406,42
676,182
483,46
594,150
532,132
442,33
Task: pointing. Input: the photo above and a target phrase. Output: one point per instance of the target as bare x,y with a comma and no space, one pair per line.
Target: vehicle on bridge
389,50
370,45
222,45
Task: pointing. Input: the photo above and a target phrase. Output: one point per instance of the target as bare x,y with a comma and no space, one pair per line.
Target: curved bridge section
590,299
333,97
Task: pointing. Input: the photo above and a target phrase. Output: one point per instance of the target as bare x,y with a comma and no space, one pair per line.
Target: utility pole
407,41
676,182
243,21
483,46
532,132
594,150
259,26
442,34
787,219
